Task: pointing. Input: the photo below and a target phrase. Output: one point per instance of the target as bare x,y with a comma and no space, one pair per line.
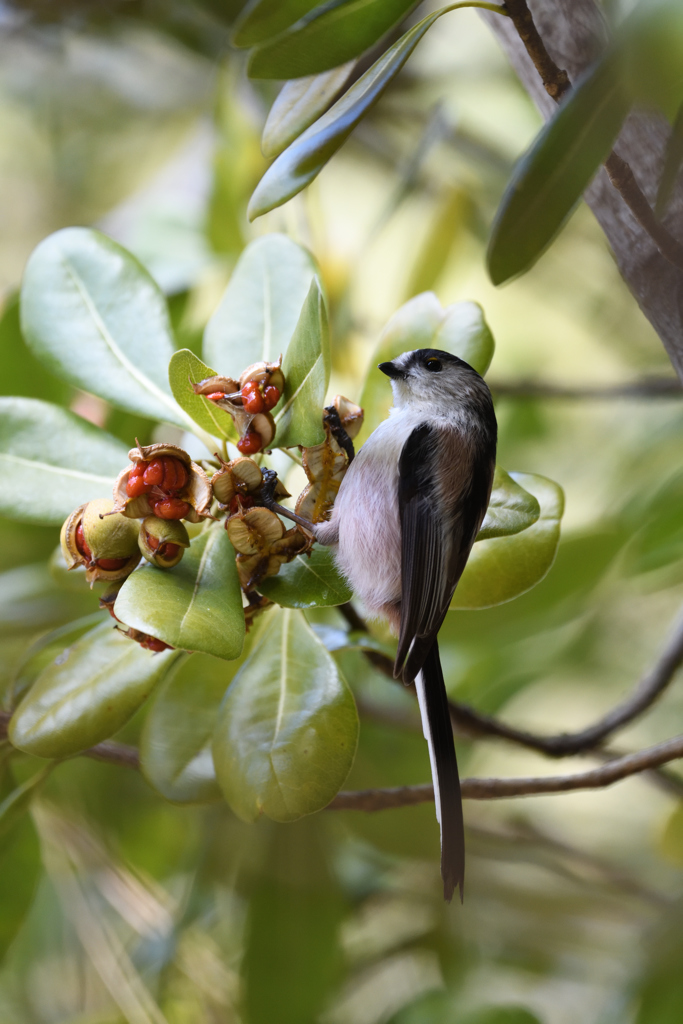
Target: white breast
365,520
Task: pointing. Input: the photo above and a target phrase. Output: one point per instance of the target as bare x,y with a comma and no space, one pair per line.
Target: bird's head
436,381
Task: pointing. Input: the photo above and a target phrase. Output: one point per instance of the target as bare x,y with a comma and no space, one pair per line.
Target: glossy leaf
94,316
306,367
196,606
52,461
43,652
551,177
299,103
184,367
261,305
20,861
309,581
511,508
22,373
424,323
87,694
338,33
175,745
505,567
288,728
301,162
263,19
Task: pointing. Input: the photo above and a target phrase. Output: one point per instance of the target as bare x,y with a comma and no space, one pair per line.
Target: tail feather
436,725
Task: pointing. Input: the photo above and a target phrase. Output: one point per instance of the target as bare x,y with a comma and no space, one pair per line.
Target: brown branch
556,83
654,387
500,789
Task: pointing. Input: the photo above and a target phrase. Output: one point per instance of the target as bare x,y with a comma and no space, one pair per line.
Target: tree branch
499,789
654,387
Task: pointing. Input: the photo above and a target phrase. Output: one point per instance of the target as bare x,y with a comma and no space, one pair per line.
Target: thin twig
556,83
655,387
499,789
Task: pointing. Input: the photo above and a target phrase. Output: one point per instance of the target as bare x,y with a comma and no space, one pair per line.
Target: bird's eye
433,364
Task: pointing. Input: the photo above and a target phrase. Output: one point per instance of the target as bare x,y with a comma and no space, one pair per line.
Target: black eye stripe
434,365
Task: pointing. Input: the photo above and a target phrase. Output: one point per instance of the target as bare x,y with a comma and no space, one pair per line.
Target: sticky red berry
250,444
252,399
215,396
150,643
136,484
170,508
167,473
152,540
271,396
245,500
81,543
169,550
111,564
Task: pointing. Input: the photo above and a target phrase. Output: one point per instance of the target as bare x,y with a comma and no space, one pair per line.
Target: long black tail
436,725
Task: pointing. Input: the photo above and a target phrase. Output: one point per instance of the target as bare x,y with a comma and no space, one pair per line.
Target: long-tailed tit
404,521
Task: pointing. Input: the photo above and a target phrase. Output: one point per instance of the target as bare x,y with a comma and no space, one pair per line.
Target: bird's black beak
391,371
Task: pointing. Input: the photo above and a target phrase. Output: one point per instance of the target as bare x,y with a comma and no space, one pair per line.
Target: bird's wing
443,493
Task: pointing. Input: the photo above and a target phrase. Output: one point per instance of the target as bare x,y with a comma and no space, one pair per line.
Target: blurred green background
137,117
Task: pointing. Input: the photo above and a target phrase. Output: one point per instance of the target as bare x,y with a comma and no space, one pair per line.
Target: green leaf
93,316
184,367
309,581
552,176
261,305
301,162
338,33
511,508
22,373
306,367
505,567
673,158
175,745
298,104
196,606
287,731
44,650
651,49
18,800
502,1015
424,323
87,694
20,862
31,600
263,19
52,461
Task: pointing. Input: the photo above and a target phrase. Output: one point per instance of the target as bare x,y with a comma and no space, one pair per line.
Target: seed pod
350,415
265,374
241,476
295,542
101,541
150,643
254,568
162,542
175,487
254,532
213,385
263,424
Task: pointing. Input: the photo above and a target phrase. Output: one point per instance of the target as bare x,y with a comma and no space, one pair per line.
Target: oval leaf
263,19
43,652
338,33
304,159
288,728
94,316
87,694
52,461
505,567
309,581
552,176
175,745
261,305
306,367
298,104
196,606
511,508
184,367
424,323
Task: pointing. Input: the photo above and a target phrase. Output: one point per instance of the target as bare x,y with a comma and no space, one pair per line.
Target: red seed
250,444
245,500
252,399
169,550
170,508
152,541
271,396
150,643
167,473
215,396
81,543
136,484
154,473
111,564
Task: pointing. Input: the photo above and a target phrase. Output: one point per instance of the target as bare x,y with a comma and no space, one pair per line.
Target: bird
405,518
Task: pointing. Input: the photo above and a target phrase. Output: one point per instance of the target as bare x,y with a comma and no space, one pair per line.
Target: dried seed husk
67,539
147,452
197,492
241,476
97,532
254,568
212,385
264,374
325,465
254,531
350,415
166,531
264,425
295,542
